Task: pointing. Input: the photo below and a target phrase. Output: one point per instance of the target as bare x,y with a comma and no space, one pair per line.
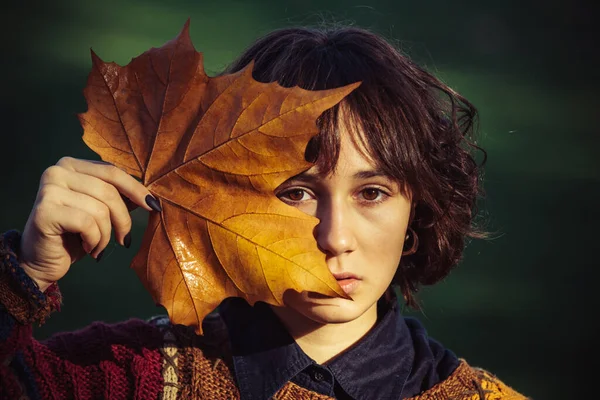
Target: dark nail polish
127,240
99,257
153,203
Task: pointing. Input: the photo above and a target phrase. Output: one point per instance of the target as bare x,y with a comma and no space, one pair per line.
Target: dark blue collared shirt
395,360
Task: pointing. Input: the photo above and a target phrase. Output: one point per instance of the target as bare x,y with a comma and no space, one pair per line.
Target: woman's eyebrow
365,174
303,177
371,173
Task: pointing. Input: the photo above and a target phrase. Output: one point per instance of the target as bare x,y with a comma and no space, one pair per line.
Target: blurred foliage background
517,305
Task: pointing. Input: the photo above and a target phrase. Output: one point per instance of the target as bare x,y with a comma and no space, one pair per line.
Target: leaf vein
112,95
249,240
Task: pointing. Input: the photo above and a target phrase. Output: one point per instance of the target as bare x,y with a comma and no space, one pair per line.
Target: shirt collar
378,366
266,357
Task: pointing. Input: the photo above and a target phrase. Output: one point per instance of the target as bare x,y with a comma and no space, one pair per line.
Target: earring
410,234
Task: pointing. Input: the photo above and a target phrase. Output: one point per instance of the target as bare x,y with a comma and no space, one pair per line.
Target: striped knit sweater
143,359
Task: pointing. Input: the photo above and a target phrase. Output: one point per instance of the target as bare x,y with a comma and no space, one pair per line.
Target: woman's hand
76,204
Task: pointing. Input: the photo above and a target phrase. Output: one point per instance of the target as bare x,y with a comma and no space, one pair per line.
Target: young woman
394,186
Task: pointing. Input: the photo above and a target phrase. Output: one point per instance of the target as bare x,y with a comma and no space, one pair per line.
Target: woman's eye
295,195
371,194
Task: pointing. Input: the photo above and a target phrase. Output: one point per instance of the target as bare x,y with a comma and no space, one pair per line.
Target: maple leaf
212,150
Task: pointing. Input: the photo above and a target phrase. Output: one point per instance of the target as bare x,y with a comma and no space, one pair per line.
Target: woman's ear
413,239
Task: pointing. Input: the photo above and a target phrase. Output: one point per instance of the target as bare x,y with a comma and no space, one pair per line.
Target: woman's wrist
12,245
41,283
20,293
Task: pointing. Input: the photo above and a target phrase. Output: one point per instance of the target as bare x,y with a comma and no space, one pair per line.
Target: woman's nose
335,233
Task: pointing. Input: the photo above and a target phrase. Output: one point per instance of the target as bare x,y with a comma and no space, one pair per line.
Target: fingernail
127,240
99,257
153,203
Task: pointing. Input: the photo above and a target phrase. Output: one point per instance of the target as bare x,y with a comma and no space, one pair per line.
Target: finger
74,220
128,203
105,193
92,207
95,188
125,183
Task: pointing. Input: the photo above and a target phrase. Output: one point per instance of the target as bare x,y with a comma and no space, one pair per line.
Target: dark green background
519,304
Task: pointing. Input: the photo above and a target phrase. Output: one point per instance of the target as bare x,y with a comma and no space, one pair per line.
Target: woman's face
363,219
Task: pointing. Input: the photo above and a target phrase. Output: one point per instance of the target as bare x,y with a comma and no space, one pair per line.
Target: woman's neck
320,341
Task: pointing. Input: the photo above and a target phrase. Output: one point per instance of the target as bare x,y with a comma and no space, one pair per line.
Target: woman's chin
324,309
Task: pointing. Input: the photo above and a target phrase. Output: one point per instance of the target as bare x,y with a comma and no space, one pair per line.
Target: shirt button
318,376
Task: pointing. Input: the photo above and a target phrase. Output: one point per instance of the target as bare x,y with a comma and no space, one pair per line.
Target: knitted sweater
143,359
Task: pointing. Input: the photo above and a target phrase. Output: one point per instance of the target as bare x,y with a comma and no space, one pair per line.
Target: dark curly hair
415,127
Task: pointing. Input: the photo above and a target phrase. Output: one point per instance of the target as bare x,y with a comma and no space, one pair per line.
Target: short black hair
418,130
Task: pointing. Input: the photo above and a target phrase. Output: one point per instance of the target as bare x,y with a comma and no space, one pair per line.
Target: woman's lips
347,281
349,285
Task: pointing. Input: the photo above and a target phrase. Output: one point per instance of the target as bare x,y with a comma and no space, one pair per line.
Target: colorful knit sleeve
121,361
